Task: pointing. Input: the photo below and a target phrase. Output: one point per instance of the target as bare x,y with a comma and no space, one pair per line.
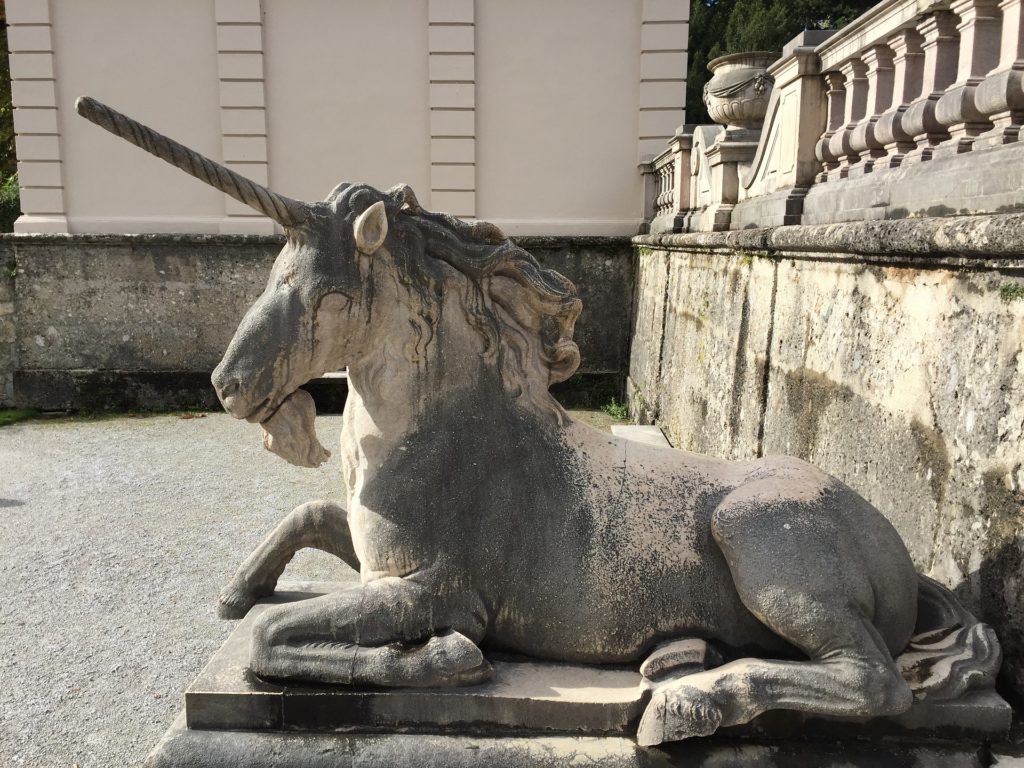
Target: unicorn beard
290,434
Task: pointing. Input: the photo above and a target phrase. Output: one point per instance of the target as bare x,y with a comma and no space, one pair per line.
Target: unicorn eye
335,302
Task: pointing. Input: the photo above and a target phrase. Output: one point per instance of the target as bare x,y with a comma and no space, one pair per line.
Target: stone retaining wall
7,331
891,354
140,321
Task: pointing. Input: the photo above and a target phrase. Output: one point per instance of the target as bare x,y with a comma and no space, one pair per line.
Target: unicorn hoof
678,713
236,599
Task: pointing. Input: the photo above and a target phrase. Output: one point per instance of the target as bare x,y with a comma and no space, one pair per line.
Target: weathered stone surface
184,748
522,696
290,433
991,241
648,324
602,270
8,352
138,302
533,697
690,655
976,182
902,376
703,310
908,384
139,321
106,390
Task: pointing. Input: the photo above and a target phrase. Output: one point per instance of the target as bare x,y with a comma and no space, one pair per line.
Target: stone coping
997,237
192,238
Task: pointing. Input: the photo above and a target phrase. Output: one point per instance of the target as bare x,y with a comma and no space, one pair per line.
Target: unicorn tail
951,652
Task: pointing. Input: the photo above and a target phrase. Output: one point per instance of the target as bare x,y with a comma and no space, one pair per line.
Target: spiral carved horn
285,211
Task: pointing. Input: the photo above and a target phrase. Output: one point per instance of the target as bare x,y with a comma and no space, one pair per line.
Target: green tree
9,201
718,27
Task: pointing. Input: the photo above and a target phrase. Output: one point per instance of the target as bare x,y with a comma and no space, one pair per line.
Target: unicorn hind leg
320,525
793,571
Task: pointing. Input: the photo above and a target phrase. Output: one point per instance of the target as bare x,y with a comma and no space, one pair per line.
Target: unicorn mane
525,313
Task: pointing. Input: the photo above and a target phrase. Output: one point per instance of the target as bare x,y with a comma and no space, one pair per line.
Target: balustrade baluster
835,110
659,197
908,74
854,73
939,70
666,188
979,53
878,61
1001,96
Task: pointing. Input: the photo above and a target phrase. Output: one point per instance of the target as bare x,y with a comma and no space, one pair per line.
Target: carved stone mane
525,313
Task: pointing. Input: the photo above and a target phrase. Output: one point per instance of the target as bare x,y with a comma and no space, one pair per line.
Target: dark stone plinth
530,714
182,747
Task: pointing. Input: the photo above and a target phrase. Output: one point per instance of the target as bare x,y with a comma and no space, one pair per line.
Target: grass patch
616,410
588,390
93,415
13,416
10,203
1011,292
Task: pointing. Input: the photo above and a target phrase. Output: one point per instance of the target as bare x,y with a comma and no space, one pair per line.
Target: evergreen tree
718,27
9,197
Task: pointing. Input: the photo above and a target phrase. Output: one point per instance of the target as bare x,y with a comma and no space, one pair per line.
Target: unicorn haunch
480,515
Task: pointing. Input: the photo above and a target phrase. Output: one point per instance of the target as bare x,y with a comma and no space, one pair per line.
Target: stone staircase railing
915,108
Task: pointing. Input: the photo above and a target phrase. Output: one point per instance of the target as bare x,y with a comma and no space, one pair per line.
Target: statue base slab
530,714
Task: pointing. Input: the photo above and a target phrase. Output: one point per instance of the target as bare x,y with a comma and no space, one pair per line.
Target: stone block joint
452,99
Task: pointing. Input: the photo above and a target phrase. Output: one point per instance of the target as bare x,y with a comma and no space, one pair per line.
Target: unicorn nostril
226,386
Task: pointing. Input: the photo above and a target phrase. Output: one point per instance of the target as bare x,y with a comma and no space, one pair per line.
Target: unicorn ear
371,228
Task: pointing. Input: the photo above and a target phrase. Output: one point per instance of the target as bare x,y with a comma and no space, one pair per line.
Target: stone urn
737,94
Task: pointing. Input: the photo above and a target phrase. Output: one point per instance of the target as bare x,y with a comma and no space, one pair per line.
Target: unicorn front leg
388,632
321,525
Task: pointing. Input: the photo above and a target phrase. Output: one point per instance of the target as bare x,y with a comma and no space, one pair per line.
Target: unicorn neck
426,360
407,375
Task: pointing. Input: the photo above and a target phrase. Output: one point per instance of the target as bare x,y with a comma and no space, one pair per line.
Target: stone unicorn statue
480,515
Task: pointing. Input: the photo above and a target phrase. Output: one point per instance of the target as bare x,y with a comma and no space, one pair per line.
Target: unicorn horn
285,211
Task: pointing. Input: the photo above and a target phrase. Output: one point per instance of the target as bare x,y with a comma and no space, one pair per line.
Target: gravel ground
116,536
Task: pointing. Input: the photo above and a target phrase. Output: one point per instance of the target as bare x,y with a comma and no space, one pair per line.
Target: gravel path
116,536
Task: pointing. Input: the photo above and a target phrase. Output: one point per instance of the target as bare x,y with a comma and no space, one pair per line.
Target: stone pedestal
530,714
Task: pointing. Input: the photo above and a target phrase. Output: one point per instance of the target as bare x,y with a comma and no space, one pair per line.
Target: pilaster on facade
37,136
452,70
243,108
664,31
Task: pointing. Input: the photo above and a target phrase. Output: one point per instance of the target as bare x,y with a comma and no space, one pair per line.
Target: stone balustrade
913,109
671,182
665,181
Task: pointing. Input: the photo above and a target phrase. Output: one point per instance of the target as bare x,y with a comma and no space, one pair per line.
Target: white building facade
533,114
